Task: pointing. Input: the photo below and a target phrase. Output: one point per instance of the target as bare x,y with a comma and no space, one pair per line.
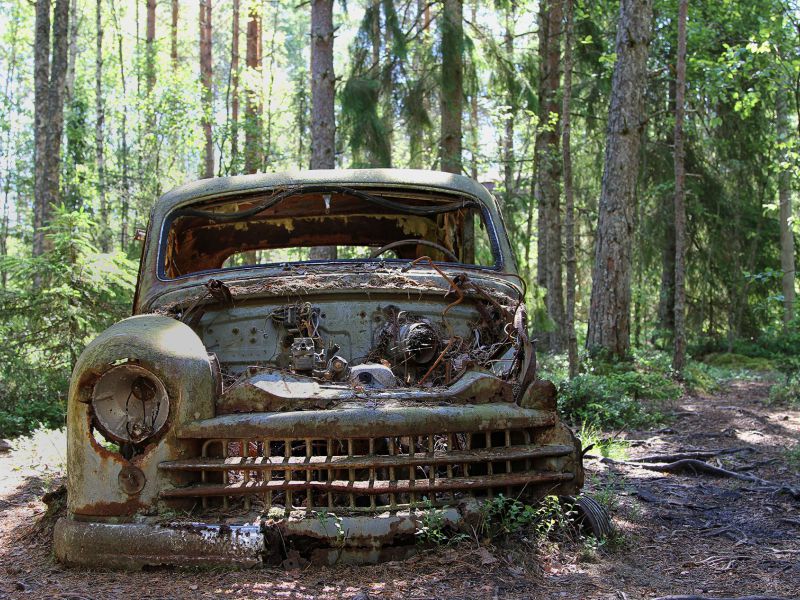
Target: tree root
709,598
693,466
700,455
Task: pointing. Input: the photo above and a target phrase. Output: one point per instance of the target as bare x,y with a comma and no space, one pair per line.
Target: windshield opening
282,227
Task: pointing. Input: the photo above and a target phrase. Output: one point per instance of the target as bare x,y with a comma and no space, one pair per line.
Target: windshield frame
486,216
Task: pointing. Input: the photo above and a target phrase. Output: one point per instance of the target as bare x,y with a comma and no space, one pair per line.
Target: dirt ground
678,534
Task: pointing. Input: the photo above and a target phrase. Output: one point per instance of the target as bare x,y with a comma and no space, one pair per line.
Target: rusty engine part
373,375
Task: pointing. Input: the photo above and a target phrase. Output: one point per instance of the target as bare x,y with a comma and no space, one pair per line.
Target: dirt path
680,534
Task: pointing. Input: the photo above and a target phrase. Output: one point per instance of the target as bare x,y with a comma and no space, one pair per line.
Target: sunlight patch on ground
43,454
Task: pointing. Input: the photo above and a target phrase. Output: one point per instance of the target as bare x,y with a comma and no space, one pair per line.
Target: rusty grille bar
369,474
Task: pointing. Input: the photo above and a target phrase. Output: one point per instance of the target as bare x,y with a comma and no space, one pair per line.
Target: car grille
373,474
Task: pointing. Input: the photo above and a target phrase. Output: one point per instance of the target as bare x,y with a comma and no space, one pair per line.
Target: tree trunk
452,85
609,312
511,102
49,87
569,200
679,352
173,34
666,298
99,140
69,89
323,125
150,49
785,200
548,165
207,99
126,188
253,103
9,92
234,125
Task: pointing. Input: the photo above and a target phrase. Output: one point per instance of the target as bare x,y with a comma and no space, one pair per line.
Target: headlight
130,404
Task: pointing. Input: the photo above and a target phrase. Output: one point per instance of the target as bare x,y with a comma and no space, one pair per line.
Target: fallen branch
694,466
699,455
730,598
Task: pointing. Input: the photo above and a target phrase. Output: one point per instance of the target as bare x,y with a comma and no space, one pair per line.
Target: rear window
283,226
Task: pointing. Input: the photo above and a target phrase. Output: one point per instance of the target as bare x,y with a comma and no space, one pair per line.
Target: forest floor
677,534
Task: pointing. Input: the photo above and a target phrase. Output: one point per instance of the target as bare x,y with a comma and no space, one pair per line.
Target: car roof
219,187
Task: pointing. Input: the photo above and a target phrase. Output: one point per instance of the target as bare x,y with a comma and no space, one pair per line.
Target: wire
303,189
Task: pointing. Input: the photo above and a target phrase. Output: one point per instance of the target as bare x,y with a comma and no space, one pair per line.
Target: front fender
95,474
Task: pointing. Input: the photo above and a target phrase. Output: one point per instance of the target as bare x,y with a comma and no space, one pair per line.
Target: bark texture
173,34
99,134
569,198
609,312
49,86
234,124
452,85
785,200
253,103
323,125
206,81
679,351
548,170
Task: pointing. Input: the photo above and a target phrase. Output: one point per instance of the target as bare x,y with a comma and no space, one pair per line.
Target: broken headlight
130,404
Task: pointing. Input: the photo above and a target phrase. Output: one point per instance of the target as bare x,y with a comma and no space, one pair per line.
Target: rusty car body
261,406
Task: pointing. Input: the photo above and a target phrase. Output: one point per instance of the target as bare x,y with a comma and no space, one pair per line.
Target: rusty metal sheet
304,463
136,545
364,422
370,488
272,391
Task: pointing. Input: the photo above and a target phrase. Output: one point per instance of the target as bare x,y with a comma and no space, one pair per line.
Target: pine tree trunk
609,312
679,353
666,298
126,188
253,104
49,87
234,125
99,140
173,34
548,163
511,101
69,89
785,200
323,125
9,93
207,99
452,85
569,200
150,48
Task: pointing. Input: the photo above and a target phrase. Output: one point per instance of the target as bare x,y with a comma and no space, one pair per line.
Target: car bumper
319,538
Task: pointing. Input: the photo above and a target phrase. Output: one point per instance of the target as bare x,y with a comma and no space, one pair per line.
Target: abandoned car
263,405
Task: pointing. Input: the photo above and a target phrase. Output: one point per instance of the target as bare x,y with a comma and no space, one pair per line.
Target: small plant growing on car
502,516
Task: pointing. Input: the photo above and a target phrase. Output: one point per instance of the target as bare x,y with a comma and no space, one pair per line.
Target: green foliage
54,304
619,395
503,516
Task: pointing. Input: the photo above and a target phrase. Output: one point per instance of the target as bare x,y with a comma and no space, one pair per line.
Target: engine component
417,342
303,352
130,404
373,375
337,367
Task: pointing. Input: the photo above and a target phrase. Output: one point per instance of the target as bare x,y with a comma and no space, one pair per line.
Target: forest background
660,136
